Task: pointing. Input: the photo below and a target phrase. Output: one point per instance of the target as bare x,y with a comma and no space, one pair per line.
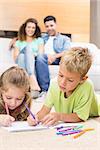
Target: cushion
6,60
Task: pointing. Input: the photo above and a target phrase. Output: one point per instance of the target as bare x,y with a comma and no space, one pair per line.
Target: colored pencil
6,107
29,111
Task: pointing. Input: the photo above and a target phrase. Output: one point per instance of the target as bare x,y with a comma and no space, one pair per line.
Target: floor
45,140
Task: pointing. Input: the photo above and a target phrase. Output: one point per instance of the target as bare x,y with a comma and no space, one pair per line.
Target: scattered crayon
82,132
77,130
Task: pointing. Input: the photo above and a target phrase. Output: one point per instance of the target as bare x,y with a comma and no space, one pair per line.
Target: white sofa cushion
6,60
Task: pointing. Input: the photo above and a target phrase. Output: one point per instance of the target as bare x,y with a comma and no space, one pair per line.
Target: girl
14,94
28,46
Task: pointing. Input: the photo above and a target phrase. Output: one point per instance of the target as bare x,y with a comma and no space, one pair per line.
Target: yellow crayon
82,132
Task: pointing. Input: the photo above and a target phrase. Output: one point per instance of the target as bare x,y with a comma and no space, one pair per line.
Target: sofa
6,61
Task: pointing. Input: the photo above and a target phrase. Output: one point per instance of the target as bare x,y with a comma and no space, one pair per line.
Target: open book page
19,126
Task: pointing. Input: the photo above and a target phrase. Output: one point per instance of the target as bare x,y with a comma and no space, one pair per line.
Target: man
55,45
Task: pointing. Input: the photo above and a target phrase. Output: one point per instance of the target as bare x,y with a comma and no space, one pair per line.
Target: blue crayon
71,132
59,133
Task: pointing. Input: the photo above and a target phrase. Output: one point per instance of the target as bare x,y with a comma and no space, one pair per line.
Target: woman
27,47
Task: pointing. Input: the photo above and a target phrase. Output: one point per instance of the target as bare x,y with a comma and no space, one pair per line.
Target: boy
72,95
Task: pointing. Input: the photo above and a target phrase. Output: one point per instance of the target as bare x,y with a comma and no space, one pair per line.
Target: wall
72,15
95,22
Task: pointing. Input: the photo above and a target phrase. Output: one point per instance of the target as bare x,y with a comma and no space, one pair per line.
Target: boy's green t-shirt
82,101
34,44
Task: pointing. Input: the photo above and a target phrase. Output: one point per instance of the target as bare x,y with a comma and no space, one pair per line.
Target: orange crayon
82,132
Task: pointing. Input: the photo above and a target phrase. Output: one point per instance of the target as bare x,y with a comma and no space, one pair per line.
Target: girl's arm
6,120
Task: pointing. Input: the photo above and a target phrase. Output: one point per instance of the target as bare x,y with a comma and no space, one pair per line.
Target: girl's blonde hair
15,76
77,59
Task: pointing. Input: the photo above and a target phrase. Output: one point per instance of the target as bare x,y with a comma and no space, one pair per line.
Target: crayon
82,132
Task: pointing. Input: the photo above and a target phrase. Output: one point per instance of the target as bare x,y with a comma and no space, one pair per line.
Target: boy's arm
39,116
54,117
43,112
73,117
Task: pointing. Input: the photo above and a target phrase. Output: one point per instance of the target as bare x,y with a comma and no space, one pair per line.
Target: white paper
65,125
19,126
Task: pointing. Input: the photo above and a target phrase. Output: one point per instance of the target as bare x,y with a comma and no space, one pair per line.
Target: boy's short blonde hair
77,59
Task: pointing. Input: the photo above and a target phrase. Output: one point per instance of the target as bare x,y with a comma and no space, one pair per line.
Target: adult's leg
21,60
42,71
26,60
30,68
56,62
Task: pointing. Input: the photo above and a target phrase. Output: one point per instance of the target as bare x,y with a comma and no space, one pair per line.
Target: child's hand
6,120
51,119
31,121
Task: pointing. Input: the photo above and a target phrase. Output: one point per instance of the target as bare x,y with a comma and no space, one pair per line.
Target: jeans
36,65
26,60
42,71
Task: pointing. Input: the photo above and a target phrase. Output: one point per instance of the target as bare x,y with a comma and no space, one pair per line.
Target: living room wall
73,16
95,22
